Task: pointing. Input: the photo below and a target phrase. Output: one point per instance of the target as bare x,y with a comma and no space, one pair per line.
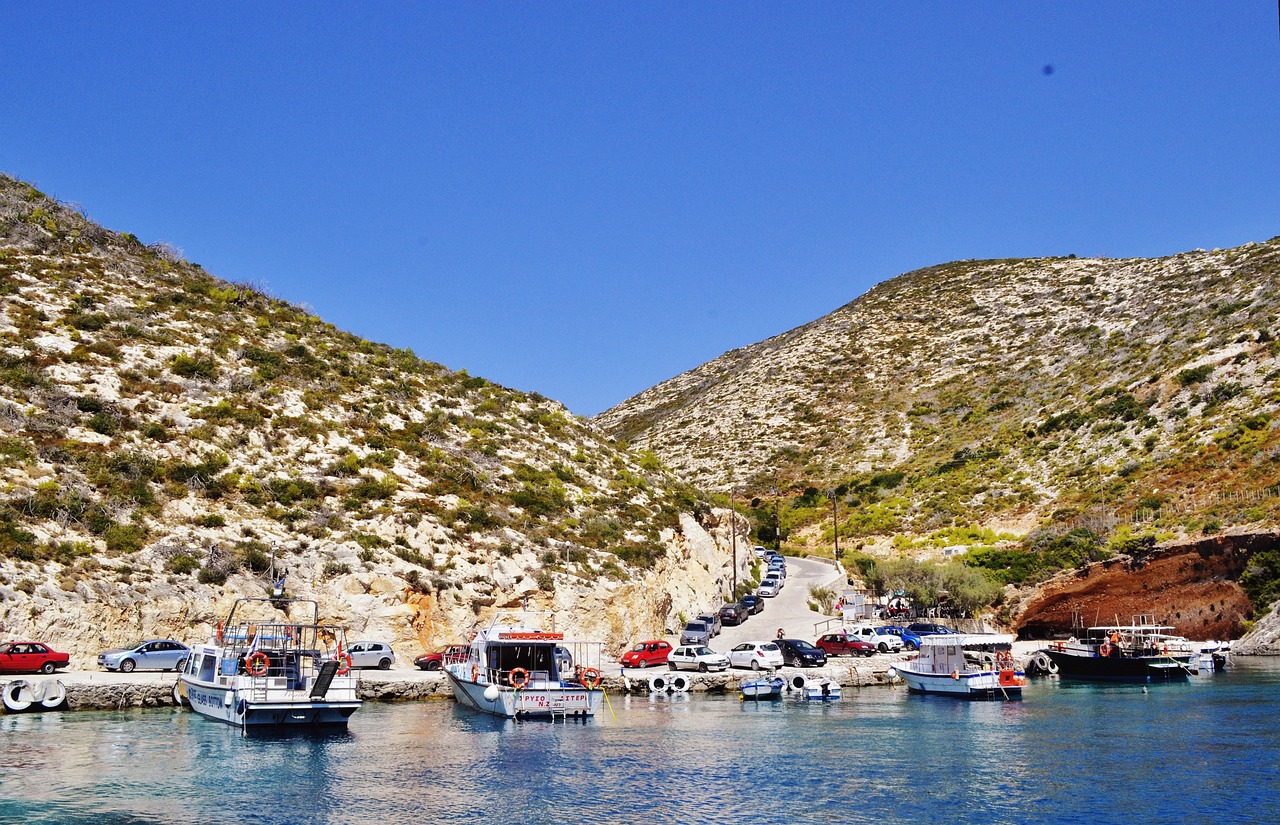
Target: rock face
1264,638
1193,588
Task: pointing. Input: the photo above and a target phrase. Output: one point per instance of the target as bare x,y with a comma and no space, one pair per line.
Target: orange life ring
955,674
475,673
344,666
591,678
219,636
1104,649
519,677
257,663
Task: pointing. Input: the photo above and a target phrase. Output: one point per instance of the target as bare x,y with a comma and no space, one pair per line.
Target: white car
768,588
775,578
372,654
697,657
884,641
759,551
756,655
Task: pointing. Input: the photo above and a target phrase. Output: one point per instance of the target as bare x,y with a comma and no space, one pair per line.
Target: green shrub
197,367
1194,375
182,563
124,538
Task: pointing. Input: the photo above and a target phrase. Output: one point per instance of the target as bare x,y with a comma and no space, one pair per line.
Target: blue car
910,640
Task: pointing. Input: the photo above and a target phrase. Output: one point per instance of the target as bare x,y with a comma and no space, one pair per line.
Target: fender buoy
658,683
955,674
798,681
591,678
519,678
18,695
257,663
51,694
1104,649
180,695
679,683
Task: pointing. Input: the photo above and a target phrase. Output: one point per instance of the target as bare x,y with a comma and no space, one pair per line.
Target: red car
451,655
30,657
838,644
646,654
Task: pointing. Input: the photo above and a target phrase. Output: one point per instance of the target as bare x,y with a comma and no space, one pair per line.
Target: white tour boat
279,671
520,666
988,671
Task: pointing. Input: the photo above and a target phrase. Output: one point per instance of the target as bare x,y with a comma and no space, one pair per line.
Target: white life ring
52,694
658,683
798,681
18,695
679,683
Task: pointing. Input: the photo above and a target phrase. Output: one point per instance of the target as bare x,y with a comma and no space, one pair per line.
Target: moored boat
759,689
521,666
965,665
279,671
1139,652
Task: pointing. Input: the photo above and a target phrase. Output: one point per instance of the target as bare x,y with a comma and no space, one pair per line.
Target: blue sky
584,199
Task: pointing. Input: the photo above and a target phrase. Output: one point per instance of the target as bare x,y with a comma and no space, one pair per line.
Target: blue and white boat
278,671
817,690
759,689
520,666
965,665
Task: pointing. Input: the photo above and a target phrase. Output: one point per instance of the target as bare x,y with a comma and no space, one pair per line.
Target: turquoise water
1199,752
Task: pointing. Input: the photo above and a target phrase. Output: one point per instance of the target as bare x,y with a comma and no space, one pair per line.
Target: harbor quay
104,690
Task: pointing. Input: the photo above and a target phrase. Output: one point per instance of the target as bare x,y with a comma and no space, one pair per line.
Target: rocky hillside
1001,393
165,435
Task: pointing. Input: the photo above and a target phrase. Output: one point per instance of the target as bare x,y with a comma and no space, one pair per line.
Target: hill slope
1001,391
164,434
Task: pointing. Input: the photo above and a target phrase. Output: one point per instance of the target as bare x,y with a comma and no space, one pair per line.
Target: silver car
695,633
372,654
155,654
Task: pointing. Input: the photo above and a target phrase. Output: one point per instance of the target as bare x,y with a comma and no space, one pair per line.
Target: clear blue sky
584,199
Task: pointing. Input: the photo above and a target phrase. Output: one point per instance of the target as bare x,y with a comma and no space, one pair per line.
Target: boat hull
1095,668
980,684
762,689
248,708
540,699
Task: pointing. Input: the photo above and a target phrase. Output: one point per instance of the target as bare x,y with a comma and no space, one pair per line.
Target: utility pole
835,521
733,539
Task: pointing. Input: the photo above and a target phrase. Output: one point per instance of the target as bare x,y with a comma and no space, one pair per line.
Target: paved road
789,609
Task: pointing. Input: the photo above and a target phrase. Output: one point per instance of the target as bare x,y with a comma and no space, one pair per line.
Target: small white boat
520,666
942,667
279,671
819,690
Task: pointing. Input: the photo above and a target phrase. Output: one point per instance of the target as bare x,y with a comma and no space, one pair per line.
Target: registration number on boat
543,701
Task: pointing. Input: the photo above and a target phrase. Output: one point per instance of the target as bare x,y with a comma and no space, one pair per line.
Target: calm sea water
1207,751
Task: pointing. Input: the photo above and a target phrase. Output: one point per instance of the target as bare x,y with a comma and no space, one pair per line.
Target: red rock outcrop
1192,587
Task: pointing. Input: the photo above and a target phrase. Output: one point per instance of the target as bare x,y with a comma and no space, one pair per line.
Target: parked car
154,654
775,578
695,633
647,654
697,657
752,602
928,629
883,640
759,551
713,621
372,654
800,653
30,657
839,644
910,640
768,588
733,614
451,655
564,661
756,655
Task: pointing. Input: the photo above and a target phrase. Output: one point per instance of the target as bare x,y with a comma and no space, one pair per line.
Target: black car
799,653
732,614
752,602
